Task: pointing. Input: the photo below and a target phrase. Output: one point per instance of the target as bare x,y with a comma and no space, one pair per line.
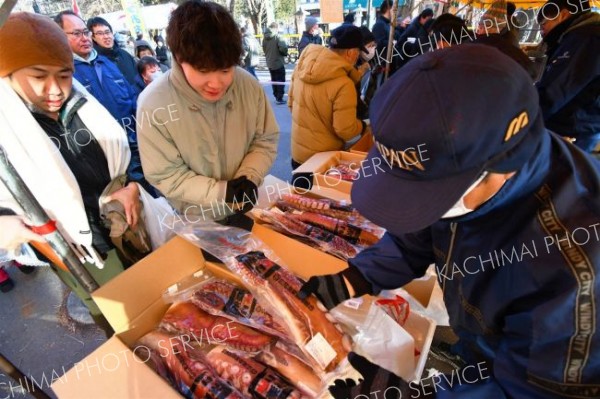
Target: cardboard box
322,162
363,145
132,302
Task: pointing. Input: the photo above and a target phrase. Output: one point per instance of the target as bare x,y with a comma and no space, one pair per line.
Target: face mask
368,56
155,75
459,209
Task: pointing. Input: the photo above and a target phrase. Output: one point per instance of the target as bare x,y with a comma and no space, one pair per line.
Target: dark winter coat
307,39
570,86
519,277
124,61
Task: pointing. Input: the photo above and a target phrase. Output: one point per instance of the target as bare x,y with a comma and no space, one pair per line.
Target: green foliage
284,9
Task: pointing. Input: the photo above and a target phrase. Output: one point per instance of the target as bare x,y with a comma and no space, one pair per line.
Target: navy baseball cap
347,37
438,124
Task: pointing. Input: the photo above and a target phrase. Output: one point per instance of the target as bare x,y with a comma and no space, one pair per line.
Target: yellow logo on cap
516,125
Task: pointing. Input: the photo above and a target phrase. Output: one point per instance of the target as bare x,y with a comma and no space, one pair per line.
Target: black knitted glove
376,382
247,195
233,188
330,289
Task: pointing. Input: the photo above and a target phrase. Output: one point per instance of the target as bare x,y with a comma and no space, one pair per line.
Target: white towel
39,163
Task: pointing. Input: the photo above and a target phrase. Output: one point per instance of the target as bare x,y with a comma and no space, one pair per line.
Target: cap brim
405,205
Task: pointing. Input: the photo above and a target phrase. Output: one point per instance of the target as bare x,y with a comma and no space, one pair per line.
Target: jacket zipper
450,249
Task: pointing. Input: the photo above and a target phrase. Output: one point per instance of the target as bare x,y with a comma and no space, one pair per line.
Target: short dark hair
97,21
350,17
145,62
142,47
385,6
447,27
428,12
59,17
204,35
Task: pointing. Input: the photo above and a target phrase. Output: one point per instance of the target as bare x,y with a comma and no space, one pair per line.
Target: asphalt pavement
38,335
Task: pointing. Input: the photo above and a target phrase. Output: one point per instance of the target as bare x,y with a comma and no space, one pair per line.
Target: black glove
233,187
243,192
331,288
376,382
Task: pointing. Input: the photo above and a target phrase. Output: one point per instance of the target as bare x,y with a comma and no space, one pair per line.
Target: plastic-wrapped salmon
249,376
193,375
344,172
325,240
309,326
344,229
323,206
218,297
289,366
198,326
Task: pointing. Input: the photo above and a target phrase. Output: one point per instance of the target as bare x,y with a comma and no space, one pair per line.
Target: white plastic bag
156,211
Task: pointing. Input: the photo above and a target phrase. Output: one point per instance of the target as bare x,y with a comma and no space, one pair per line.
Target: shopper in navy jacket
570,86
106,83
508,212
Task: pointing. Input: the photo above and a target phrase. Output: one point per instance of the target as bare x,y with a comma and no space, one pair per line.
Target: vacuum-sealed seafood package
191,372
276,289
251,377
323,239
202,328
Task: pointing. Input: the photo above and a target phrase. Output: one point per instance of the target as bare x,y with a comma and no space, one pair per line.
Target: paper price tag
320,350
353,303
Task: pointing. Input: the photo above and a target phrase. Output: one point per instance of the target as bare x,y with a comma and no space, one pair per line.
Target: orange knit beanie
28,39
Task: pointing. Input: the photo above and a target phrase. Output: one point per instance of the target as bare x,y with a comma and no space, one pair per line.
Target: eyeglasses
103,33
78,33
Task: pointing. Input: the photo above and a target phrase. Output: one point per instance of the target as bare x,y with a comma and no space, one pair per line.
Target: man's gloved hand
376,382
330,289
333,289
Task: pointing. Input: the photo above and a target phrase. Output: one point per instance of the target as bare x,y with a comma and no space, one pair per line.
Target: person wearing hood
310,35
103,80
214,136
106,45
505,210
275,49
322,96
570,85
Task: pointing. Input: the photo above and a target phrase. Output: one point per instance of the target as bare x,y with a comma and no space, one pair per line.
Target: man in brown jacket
322,96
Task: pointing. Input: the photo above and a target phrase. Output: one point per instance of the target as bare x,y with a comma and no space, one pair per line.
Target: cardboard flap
127,296
314,162
111,371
